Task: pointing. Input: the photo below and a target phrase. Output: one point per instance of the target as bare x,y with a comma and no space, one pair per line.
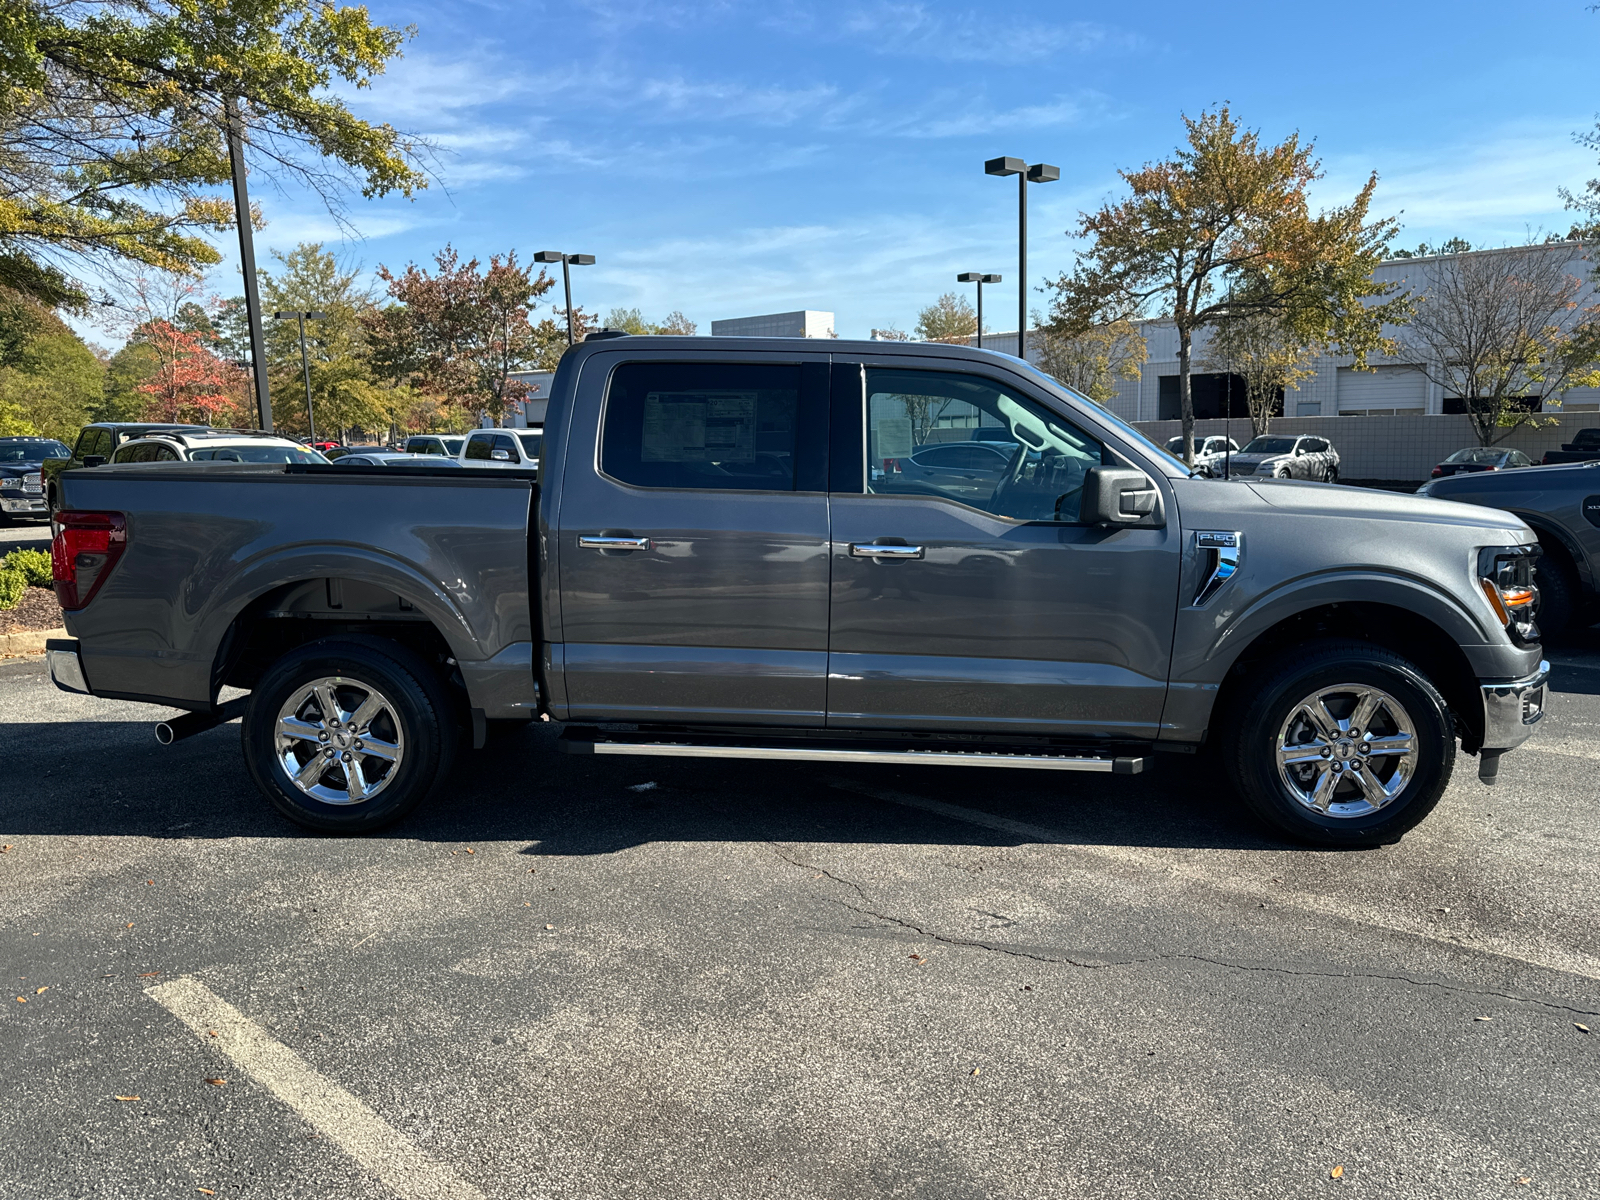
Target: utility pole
305,361
1037,173
567,261
247,260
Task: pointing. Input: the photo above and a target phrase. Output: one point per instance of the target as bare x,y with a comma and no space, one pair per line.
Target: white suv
215,445
503,448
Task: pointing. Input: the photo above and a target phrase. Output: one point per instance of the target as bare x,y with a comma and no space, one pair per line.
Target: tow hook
192,723
1489,766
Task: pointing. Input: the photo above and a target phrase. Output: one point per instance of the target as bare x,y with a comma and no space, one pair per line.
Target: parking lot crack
816,870
1108,962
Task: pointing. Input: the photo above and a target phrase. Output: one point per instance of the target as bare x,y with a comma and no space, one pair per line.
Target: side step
798,753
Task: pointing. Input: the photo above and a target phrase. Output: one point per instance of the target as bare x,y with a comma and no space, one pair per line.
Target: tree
1502,330
1224,229
114,117
1091,361
632,320
345,391
461,333
948,319
190,382
50,382
1453,245
1267,355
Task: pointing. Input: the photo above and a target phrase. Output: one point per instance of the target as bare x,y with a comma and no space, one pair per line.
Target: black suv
95,444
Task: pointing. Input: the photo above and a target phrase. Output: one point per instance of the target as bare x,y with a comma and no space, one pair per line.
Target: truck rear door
693,529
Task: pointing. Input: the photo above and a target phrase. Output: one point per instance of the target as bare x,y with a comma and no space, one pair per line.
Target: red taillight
1438,471
85,548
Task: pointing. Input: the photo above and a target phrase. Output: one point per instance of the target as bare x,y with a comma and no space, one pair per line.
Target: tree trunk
1185,397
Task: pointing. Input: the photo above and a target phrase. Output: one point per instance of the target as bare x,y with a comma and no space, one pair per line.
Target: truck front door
989,610
694,541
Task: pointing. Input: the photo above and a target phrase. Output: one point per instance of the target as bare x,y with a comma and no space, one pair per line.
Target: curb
29,642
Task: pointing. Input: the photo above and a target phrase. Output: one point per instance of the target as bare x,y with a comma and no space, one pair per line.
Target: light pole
980,280
247,262
566,261
305,362
1038,173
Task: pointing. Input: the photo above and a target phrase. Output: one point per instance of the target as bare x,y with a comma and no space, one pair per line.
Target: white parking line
346,1121
1550,958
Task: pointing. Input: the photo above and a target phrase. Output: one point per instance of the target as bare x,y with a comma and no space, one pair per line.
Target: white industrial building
803,324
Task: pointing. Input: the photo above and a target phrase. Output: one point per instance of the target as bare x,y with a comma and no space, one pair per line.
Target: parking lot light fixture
980,280
305,361
567,261
1037,173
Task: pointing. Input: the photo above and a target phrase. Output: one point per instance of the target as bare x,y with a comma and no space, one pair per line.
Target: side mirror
1118,496
94,460
500,455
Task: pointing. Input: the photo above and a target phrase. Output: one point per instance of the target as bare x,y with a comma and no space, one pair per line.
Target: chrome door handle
613,543
884,550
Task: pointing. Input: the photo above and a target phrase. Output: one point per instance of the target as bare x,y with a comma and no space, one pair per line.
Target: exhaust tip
164,733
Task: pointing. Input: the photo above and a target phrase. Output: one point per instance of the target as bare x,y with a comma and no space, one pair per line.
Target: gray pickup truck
731,553
1561,504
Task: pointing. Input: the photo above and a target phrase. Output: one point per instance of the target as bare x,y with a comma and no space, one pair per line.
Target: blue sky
730,158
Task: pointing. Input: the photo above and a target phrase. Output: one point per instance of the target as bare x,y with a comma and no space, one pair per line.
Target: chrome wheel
1347,750
339,740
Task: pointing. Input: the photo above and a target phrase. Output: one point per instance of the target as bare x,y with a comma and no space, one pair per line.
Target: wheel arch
1414,635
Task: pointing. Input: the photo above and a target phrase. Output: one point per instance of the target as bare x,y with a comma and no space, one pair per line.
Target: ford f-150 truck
726,555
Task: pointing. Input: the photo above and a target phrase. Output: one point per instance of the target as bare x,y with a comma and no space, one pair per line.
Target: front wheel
348,735
1348,744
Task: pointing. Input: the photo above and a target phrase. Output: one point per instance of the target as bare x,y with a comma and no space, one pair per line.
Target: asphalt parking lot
581,977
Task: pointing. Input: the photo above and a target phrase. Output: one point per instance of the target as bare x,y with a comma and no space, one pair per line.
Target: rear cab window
702,425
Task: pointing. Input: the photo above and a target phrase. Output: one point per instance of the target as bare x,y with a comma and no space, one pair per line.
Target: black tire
1558,593
1250,749
416,725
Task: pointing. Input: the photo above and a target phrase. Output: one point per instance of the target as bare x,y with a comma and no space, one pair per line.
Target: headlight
1506,576
1267,468
10,481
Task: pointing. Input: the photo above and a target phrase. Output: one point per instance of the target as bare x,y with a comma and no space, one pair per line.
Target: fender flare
289,565
1543,525
1407,593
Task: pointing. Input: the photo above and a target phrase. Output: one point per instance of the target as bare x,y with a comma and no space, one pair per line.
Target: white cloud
989,35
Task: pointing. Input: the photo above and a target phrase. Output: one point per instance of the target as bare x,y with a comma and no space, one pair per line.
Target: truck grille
32,483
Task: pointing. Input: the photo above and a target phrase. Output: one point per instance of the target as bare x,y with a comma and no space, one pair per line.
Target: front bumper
1512,708
23,504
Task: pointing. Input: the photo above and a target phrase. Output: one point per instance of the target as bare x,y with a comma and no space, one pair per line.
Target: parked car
1481,458
431,443
336,452
94,447
1283,457
324,446
214,445
716,563
21,479
1562,506
959,469
1211,454
392,458
519,448
1583,448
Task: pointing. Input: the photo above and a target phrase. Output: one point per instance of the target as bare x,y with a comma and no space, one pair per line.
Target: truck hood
1332,500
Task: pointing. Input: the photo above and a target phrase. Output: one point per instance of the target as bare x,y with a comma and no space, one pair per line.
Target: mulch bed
37,610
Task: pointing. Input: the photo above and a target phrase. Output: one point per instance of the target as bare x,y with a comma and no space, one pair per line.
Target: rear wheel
1346,745
348,735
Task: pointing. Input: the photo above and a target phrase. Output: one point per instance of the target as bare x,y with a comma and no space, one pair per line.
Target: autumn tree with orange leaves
191,383
1223,230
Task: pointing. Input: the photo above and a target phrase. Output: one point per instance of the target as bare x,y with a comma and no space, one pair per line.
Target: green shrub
13,586
34,565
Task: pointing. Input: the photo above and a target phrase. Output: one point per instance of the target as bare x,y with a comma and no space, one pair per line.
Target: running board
929,758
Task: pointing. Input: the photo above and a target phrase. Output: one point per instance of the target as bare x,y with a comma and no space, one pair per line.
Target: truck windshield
1050,383
31,450
1270,446
531,443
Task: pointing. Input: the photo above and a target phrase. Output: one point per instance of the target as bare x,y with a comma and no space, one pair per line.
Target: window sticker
699,427
893,437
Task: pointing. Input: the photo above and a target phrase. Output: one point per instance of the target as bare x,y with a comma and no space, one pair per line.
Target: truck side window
1037,474
702,425
478,448
502,441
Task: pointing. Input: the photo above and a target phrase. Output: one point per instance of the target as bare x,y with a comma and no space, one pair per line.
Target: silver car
1287,457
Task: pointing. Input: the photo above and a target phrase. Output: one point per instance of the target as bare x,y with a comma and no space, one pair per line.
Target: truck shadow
112,779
